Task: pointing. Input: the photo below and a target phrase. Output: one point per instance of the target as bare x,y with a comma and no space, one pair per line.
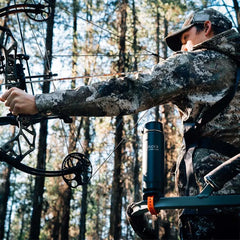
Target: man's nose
184,48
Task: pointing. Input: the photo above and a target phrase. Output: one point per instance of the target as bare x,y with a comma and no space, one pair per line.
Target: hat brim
174,40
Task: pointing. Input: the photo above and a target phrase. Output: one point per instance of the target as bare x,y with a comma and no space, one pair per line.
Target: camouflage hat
216,18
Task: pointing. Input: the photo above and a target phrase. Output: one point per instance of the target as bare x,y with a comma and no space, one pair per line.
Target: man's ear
208,29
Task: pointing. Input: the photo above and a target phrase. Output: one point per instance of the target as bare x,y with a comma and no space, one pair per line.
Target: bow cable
24,49
122,140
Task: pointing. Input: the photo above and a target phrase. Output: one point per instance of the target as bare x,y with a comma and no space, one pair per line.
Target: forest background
85,42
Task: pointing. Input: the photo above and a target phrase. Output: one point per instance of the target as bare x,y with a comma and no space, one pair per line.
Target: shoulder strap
221,104
212,112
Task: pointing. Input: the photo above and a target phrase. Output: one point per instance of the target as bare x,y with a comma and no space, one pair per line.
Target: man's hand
19,102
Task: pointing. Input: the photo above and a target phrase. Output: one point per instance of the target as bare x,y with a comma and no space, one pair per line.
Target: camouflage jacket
192,80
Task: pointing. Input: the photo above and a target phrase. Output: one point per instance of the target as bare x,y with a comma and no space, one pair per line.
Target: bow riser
8,58
26,136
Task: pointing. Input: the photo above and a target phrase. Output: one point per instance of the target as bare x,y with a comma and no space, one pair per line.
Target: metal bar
189,202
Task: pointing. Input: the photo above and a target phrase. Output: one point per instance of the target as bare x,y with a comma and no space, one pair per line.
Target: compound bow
76,168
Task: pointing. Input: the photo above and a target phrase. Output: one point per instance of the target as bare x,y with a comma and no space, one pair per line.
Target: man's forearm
102,99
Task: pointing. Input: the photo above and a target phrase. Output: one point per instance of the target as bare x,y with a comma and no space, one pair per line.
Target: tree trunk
66,195
117,185
136,182
6,170
39,182
65,190
61,213
157,39
4,194
84,204
117,188
82,226
86,121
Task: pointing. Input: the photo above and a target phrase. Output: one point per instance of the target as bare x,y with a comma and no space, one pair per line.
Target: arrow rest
83,172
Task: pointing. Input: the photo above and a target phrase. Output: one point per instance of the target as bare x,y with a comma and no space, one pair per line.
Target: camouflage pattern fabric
220,226
193,81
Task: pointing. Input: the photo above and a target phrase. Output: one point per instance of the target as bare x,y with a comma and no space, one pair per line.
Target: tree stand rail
198,201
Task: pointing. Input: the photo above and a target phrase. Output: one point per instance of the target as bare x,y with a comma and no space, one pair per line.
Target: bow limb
37,12
74,175
34,171
76,168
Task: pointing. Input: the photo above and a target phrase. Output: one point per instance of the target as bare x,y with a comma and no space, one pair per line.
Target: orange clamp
150,204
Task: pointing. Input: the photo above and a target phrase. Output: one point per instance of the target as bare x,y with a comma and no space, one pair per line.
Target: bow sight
76,168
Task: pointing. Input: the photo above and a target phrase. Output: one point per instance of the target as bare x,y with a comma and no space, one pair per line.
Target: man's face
190,38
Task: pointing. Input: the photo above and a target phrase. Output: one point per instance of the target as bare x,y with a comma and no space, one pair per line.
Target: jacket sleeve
168,80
